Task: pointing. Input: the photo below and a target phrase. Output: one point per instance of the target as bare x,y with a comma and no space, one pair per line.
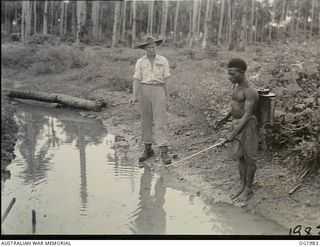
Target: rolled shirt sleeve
137,72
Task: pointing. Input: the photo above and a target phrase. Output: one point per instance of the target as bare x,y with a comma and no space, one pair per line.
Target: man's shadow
150,217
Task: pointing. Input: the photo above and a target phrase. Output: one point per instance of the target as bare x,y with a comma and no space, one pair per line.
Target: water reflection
34,122
31,125
111,196
81,145
150,217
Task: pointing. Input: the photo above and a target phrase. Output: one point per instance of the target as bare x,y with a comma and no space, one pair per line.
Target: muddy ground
210,175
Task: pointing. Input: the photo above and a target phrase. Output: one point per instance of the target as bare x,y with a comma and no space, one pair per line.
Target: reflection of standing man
151,217
149,81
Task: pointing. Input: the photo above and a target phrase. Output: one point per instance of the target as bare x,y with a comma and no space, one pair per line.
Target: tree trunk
226,25
293,19
134,23
116,24
124,19
65,23
199,18
230,24
140,30
194,22
26,20
298,18
150,17
176,16
221,22
57,98
74,19
252,21
51,14
283,12
62,17
81,20
283,15
190,22
15,17
95,19
206,24
34,17
273,19
312,18
165,5
305,26
5,18
45,18
318,18
255,26
131,14
158,20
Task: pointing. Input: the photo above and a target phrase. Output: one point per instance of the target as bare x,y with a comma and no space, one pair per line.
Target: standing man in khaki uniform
151,72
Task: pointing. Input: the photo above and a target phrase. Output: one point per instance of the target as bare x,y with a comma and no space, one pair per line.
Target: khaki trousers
154,110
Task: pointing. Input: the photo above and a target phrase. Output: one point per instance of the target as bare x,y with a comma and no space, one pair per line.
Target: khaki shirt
152,73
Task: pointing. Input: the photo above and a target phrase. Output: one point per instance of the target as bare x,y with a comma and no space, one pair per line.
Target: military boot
164,155
147,153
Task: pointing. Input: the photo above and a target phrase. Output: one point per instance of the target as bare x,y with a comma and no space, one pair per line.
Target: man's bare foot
236,194
245,196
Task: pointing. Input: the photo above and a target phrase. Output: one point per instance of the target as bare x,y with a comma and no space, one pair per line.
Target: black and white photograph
160,119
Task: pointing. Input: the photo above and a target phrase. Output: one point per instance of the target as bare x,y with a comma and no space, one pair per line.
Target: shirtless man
245,136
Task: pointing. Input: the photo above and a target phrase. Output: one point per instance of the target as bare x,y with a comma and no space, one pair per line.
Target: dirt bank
210,175
8,133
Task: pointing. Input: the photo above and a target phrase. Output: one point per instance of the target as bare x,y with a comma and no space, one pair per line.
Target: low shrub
49,60
17,55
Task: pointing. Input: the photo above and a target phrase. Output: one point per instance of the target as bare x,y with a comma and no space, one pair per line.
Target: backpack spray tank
265,113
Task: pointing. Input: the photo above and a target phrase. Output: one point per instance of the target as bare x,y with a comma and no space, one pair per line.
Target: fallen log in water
58,98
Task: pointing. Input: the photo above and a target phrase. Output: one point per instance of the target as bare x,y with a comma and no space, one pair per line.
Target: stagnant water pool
66,171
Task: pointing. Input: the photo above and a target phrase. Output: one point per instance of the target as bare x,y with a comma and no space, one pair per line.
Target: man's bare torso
238,100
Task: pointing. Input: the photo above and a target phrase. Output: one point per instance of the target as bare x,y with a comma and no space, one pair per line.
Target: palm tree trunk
65,23
81,19
312,18
298,19
176,21
273,18
74,19
95,19
305,25
318,18
194,22
150,18
293,19
124,20
206,24
134,23
34,17
252,21
165,5
221,22
190,22
256,26
115,33
45,18
230,24
199,17
61,17
25,21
